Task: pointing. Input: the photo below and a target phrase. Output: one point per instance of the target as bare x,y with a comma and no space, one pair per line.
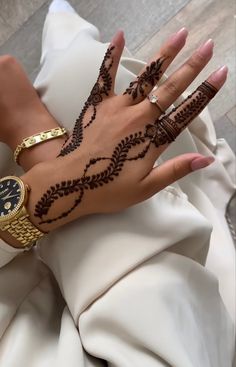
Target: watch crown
27,187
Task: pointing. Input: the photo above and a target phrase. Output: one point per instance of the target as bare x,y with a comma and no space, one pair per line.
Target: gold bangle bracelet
37,139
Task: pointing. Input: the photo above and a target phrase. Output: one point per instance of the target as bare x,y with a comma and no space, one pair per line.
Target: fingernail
199,163
219,75
117,36
206,49
178,38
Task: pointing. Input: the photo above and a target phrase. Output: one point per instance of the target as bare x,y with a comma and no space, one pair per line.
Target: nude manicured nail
206,49
178,38
117,37
201,162
219,76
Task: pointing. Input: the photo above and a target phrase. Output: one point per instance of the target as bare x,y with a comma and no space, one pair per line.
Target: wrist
15,227
9,239
39,152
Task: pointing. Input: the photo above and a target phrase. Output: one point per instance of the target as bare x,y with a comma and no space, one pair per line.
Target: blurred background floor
146,24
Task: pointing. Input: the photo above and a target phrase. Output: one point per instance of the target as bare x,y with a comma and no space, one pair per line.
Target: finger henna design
101,88
148,78
166,129
162,132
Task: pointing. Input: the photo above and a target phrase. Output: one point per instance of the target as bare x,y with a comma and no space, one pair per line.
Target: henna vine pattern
163,131
101,88
150,76
86,182
166,129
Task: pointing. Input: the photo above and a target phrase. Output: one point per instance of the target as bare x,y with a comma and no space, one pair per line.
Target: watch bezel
20,204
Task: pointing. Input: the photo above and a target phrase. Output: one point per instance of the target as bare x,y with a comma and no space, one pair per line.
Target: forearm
40,152
6,237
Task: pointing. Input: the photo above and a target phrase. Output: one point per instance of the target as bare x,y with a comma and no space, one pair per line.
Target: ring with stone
154,99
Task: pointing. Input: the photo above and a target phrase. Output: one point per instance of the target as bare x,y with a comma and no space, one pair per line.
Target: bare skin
23,114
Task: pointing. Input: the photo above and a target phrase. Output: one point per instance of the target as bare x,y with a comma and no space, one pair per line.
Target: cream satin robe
148,287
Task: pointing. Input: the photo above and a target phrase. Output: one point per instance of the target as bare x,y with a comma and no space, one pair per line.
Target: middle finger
177,83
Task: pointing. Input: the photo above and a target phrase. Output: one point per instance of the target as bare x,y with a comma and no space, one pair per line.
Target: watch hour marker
7,205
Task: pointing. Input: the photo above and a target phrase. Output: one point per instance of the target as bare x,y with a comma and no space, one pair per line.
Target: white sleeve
7,253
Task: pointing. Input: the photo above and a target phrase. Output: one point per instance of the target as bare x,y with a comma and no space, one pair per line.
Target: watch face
11,196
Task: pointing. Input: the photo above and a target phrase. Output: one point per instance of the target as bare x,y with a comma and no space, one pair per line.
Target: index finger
152,73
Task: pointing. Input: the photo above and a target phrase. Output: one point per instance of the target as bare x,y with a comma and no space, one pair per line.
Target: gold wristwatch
14,217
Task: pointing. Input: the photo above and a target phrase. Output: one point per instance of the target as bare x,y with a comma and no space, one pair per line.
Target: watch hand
11,196
8,196
2,193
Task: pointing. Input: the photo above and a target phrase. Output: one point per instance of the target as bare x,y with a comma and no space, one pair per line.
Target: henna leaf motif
102,87
149,77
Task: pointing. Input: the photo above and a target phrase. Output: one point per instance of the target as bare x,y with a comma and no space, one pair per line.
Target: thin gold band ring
154,100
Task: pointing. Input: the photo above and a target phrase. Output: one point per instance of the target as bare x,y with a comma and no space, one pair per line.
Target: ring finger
164,131
177,83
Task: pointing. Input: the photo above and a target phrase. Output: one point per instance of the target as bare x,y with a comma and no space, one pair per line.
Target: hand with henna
107,164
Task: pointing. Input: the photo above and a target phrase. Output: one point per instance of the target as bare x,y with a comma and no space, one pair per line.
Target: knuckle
172,88
135,116
196,61
177,169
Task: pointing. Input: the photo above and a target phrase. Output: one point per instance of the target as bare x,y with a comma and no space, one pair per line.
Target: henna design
117,160
166,129
101,88
150,76
161,132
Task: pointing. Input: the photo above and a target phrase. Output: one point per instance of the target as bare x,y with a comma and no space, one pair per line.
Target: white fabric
128,289
60,6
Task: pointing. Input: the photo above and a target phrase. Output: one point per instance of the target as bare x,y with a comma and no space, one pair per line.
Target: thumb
172,170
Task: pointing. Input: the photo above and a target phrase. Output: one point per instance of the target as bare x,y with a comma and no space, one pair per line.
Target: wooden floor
146,24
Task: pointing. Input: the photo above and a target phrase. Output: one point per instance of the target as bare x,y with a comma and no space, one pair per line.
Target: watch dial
10,194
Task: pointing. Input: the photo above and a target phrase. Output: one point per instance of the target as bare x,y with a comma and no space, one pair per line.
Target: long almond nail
117,36
178,38
206,49
219,76
201,162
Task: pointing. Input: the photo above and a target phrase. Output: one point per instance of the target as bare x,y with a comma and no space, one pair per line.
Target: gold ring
154,99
